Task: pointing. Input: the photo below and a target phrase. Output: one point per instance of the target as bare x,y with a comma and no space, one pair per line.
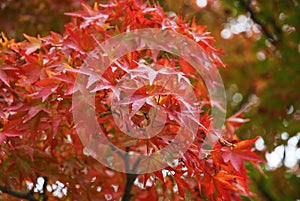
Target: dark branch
246,6
27,196
130,177
44,194
127,192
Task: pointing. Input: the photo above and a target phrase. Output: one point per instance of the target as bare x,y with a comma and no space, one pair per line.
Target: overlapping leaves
37,132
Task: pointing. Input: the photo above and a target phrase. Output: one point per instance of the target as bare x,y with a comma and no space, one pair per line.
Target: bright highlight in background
226,34
201,3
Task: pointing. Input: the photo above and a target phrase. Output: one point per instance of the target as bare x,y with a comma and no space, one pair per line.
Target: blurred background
261,42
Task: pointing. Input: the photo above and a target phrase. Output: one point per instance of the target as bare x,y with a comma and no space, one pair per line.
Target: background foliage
262,67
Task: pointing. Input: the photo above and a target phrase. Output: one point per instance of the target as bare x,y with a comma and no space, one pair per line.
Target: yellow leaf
34,40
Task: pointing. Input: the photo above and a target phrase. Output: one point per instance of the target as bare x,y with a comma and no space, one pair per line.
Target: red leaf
49,85
186,67
160,175
239,153
35,43
33,68
182,185
2,138
3,77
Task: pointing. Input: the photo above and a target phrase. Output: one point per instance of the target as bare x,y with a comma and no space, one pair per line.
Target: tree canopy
43,158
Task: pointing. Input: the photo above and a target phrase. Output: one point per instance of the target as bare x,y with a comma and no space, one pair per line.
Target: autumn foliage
38,136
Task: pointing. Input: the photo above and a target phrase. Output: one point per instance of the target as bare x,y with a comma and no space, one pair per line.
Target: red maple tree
41,155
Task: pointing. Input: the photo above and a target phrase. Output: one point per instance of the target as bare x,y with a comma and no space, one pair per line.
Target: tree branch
130,177
246,6
27,196
127,192
44,193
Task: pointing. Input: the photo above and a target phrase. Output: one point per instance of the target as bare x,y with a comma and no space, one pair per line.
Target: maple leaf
239,153
39,133
33,45
49,85
33,69
225,183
